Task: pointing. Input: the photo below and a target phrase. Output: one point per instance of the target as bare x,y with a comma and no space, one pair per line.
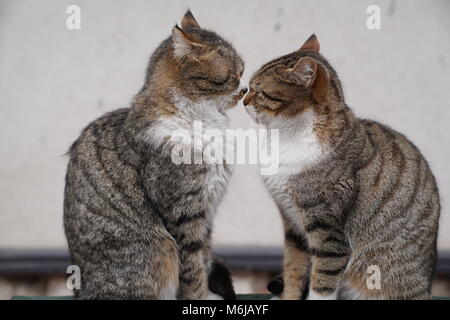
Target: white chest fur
298,149
194,119
206,114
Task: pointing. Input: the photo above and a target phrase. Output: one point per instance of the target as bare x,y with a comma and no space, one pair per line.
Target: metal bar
55,261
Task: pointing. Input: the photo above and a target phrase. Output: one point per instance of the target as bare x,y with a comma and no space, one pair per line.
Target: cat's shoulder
109,121
376,128
385,137
113,119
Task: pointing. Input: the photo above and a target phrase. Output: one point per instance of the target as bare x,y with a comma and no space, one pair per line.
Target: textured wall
54,81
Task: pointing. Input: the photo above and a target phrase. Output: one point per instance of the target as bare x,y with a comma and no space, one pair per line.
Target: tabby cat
356,197
138,225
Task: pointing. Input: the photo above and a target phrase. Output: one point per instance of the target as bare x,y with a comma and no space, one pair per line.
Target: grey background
55,81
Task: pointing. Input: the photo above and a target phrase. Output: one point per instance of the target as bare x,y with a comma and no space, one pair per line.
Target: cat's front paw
316,296
213,296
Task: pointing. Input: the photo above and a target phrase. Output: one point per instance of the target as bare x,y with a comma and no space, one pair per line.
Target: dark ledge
15,262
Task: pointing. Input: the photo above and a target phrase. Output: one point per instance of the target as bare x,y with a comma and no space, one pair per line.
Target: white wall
54,81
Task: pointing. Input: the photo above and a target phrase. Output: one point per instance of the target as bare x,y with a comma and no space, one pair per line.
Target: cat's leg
329,260
215,288
220,285
153,275
327,243
329,255
296,264
166,267
192,240
193,274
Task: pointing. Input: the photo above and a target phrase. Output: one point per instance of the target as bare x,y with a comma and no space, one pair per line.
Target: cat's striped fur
366,198
138,225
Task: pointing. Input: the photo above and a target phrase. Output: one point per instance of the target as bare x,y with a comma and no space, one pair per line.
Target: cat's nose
244,90
248,98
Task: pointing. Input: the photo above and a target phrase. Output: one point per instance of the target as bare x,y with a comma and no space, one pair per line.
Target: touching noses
248,98
243,87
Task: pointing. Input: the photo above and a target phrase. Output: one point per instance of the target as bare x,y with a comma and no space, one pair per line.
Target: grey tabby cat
356,197
138,225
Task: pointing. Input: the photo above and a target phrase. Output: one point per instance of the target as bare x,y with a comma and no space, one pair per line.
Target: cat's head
197,64
292,84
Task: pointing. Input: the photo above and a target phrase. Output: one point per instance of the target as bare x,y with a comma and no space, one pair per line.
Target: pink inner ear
307,67
305,70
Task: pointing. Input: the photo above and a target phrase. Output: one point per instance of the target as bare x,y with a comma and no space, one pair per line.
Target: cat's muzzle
240,95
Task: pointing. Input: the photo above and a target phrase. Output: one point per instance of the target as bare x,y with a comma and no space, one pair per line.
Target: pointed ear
312,44
304,71
321,85
183,43
312,75
189,21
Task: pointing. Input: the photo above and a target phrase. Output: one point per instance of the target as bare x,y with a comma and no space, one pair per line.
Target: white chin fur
219,103
231,101
210,112
254,114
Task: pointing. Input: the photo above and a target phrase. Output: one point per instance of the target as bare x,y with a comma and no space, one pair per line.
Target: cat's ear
312,75
304,71
312,44
183,43
189,21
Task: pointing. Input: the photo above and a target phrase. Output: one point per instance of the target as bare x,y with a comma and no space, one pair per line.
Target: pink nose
248,98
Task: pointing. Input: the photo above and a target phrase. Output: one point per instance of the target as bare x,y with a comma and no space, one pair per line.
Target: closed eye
272,98
217,82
